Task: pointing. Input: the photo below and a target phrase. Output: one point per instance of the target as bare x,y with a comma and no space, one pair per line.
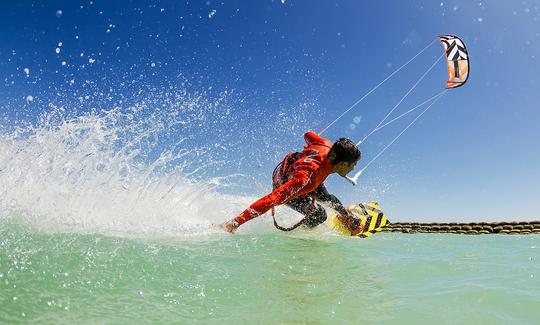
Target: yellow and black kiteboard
371,217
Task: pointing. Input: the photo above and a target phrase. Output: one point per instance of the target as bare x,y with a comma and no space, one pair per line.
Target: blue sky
474,155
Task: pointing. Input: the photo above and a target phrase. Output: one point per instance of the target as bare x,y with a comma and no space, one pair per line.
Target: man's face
344,167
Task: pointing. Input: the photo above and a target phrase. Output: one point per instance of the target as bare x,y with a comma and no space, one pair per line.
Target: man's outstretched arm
278,196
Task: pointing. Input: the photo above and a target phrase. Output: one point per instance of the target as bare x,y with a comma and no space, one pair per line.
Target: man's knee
316,217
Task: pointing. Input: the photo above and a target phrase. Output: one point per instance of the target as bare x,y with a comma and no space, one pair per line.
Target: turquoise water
97,227
268,278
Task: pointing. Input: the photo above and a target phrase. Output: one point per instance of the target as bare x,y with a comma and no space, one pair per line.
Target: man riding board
298,183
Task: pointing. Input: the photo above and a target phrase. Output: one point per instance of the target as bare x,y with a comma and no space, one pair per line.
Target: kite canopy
457,59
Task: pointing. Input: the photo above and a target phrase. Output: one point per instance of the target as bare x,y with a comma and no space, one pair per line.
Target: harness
280,176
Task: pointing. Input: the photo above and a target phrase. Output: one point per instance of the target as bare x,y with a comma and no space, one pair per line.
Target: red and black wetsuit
298,176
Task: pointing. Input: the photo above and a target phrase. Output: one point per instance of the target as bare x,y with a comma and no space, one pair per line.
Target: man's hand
229,226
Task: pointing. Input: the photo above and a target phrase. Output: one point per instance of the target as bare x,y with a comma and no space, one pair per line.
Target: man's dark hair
344,150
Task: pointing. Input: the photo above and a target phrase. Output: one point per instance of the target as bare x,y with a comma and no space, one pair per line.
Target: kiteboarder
298,183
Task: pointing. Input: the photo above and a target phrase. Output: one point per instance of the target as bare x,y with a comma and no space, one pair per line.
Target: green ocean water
268,278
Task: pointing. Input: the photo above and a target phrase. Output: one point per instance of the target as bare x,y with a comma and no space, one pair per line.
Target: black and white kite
457,59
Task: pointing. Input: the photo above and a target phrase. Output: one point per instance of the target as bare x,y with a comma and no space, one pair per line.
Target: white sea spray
159,165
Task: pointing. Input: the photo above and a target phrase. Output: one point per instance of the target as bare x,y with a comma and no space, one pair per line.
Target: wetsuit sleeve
324,196
278,196
313,138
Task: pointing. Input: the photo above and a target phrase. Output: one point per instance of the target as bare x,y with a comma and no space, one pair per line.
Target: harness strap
280,175
311,209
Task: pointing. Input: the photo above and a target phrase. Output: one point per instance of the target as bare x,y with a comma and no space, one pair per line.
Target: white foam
90,174
158,162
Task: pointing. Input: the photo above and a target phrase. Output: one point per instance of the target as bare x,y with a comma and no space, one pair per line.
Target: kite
457,59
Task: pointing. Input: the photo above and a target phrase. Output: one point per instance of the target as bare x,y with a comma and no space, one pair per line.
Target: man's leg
316,215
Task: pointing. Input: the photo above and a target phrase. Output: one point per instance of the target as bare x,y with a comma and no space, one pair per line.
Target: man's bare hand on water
229,226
